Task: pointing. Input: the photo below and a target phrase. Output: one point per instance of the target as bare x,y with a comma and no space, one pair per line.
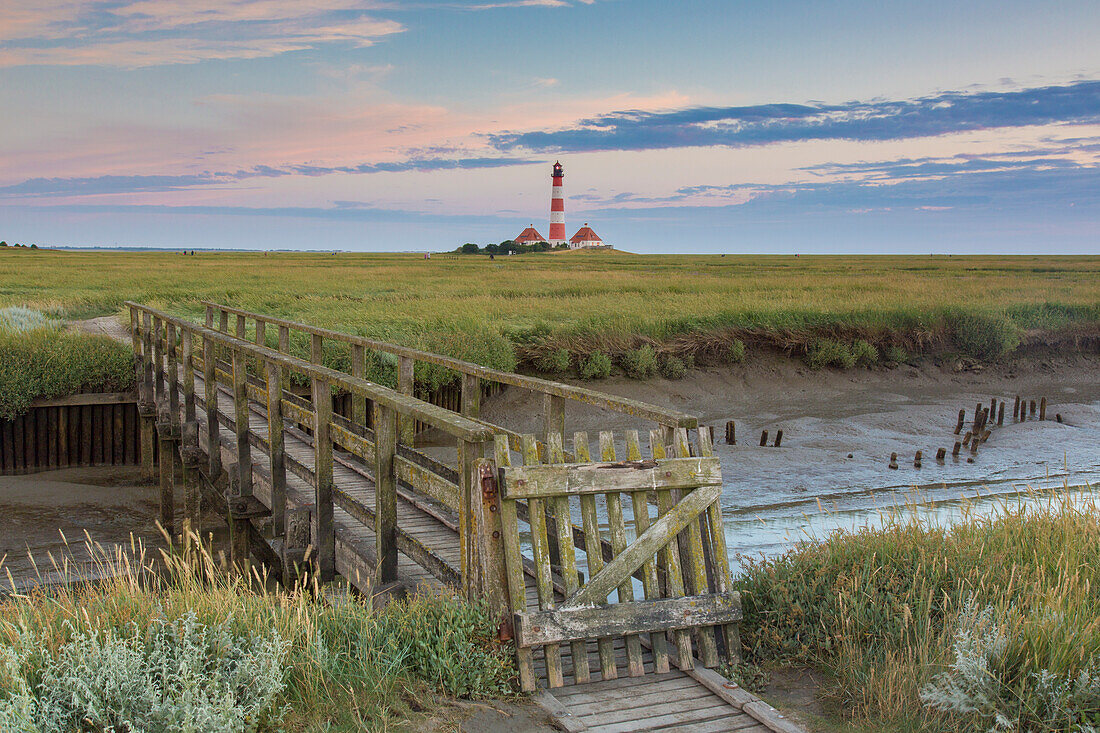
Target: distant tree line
28,246
507,247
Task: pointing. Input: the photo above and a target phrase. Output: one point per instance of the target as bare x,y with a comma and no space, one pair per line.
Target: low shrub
896,355
735,354
823,352
983,336
554,361
44,363
596,365
640,363
673,367
865,353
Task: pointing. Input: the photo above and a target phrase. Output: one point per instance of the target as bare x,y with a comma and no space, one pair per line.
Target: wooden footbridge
610,576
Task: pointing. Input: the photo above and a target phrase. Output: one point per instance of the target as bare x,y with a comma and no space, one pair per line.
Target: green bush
673,367
640,363
596,365
736,352
45,363
827,352
983,336
865,353
555,361
896,354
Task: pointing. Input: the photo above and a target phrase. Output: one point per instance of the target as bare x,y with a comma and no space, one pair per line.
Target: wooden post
146,405
893,461
468,455
764,438
1001,414
324,535
916,460
173,378
241,327
956,449
385,492
731,433
1032,408
992,408
358,402
553,417
240,555
240,423
223,320
276,456
959,424
1043,409
158,363
192,499
284,339
261,332
494,576
471,396
1016,409
406,385
940,454
778,438
316,349
209,316
210,389
977,418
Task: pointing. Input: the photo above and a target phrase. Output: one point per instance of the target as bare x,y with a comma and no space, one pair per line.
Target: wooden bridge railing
554,394
165,343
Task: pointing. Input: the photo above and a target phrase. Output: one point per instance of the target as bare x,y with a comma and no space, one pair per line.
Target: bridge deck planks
672,701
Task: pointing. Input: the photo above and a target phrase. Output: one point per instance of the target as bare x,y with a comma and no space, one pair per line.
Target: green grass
38,361
510,312
191,648
931,628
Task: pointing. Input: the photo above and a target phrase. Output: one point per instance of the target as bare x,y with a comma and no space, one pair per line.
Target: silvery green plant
178,675
17,319
971,685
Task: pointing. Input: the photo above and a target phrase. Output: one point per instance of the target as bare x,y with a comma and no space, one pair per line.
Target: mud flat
46,515
840,428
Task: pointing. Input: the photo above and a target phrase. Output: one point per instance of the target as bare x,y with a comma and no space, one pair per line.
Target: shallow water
809,487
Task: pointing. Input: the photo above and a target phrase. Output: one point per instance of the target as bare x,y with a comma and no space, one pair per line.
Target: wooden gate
673,559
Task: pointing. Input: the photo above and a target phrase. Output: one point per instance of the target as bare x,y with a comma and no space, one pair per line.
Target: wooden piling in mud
764,438
966,438
959,424
1016,409
1043,409
940,454
731,433
1058,417
778,438
1031,408
916,460
893,461
1001,414
993,408
977,418
956,449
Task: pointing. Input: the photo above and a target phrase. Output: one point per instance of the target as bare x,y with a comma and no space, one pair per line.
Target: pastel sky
691,126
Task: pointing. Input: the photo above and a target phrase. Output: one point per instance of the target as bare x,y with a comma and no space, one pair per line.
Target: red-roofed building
529,235
585,237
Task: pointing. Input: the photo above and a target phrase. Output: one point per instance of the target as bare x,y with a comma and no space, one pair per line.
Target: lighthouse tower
557,208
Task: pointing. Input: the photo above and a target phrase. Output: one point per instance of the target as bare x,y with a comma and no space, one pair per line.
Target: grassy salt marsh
554,311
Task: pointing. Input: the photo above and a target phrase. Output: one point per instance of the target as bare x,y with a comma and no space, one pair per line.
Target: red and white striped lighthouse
557,207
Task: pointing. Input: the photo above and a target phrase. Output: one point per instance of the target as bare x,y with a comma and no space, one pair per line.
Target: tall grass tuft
991,623
171,642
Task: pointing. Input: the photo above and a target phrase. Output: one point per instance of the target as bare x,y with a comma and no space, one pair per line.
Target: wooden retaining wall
79,430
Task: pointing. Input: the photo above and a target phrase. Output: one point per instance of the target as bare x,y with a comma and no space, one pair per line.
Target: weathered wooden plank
535,628
521,482
89,398
723,579
513,560
669,556
276,447
659,534
556,454
695,566
541,551
650,583
324,538
240,422
385,492
406,385
593,550
617,529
